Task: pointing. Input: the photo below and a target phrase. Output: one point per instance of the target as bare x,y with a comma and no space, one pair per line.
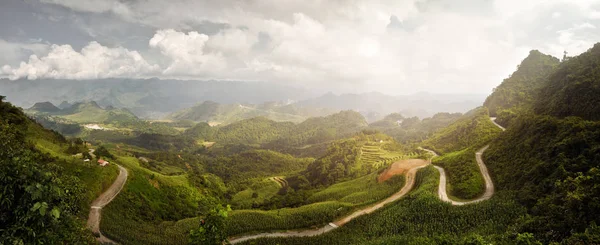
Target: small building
102,162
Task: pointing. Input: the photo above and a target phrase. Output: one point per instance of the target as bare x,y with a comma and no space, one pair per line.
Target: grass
148,199
464,177
360,191
132,231
421,218
265,188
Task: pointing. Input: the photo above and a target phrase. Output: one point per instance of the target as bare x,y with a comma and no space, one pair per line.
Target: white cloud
440,45
187,53
94,61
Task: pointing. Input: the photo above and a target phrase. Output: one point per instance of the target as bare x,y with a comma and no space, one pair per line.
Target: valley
166,161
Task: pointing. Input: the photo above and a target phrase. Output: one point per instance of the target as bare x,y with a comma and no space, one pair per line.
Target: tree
103,152
211,230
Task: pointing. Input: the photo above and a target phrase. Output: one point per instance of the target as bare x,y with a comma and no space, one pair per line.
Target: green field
360,191
259,191
421,218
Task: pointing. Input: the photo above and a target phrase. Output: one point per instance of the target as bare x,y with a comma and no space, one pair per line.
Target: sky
388,46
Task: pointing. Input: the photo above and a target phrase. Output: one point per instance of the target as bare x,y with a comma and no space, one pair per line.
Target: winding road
105,198
410,181
489,185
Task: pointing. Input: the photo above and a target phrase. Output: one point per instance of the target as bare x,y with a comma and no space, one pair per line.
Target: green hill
45,192
472,130
550,158
573,88
84,112
518,89
212,112
44,107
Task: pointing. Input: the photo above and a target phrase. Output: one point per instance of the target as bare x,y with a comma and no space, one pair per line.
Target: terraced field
374,155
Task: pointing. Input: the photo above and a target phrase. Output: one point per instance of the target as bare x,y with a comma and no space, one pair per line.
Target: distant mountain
83,112
374,106
274,135
44,107
519,88
147,98
64,104
215,113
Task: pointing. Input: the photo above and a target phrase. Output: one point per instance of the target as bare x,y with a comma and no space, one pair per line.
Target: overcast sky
394,47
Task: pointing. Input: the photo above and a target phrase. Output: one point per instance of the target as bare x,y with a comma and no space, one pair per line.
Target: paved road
410,181
105,198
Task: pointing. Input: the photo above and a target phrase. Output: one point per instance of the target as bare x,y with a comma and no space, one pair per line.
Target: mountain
519,88
64,105
83,112
48,189
409,130
573,88
215,113
277,135
549,156
374,106
44,107
147,98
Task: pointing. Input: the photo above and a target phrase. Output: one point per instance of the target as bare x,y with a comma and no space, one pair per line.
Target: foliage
464,177
211,228
552,164
255,163
421,218
410,130
473,130
359,191
102,152
519,89
337,163
573,88
38,204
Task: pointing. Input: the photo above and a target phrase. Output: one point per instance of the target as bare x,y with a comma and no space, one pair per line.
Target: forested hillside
474,129
573,88
44,193
412,129
550,158
215,113
519,89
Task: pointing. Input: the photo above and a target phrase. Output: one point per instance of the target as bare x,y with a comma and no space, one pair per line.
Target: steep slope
573,89
518,89
472,130
44,190
551,158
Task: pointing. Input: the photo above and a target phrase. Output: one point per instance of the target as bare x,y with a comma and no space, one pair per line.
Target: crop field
421,218
261,190
360,191
128,231
372,154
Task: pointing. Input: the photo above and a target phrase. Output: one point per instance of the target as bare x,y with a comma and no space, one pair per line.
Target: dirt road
489,185
410,181
93,222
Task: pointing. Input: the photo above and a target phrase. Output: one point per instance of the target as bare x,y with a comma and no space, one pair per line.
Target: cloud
187,53
343,45
94,61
